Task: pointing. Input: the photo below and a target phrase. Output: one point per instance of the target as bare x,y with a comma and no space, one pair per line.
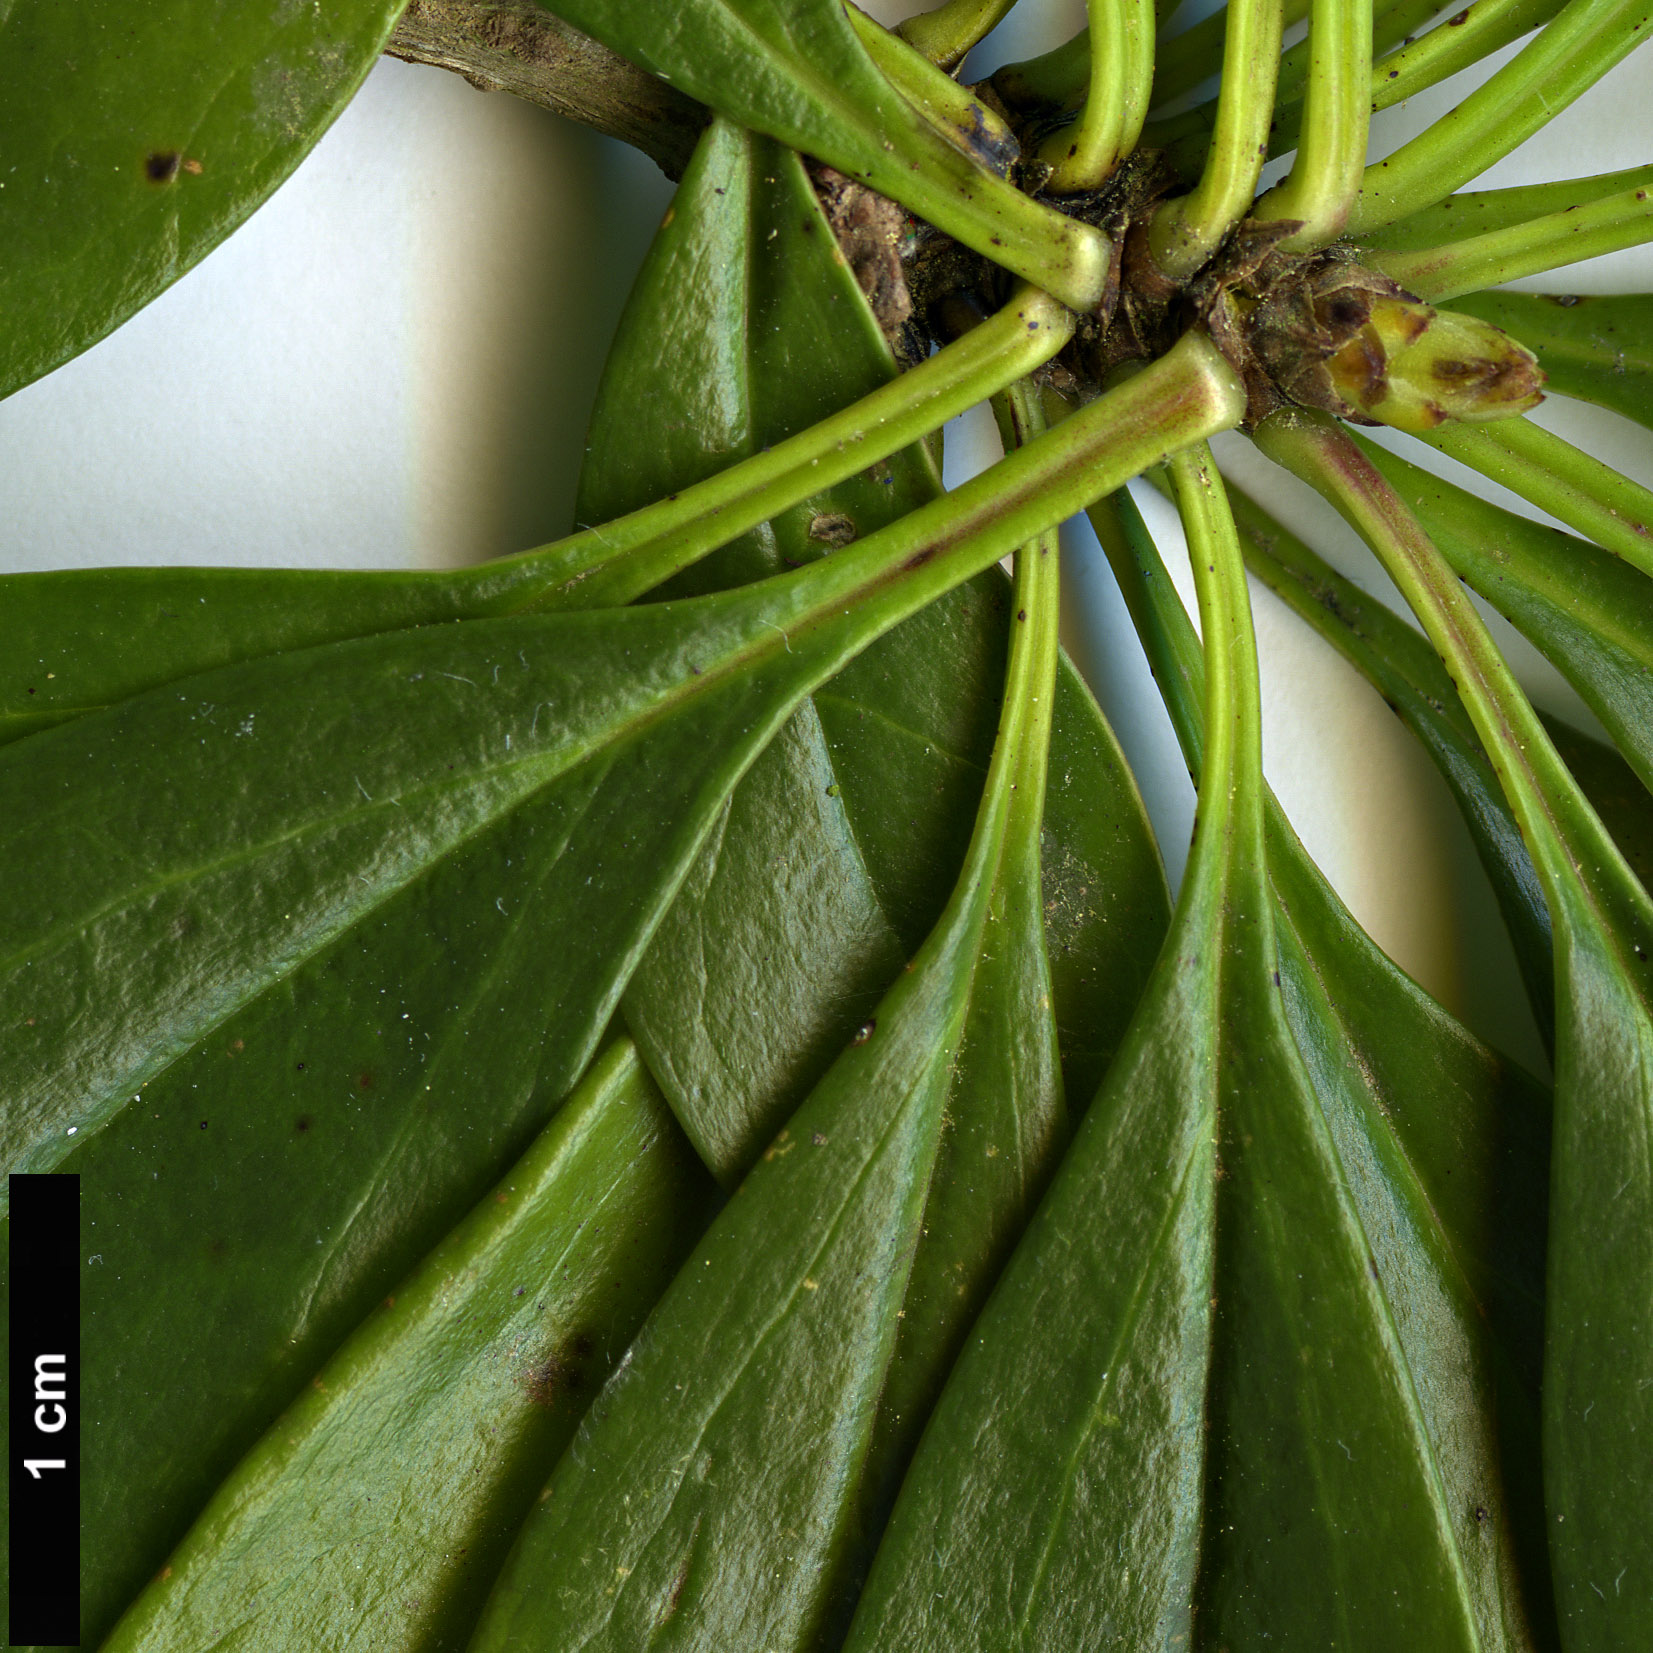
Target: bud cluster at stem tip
1414,367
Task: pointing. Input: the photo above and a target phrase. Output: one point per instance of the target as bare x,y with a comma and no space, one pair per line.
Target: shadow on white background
392,365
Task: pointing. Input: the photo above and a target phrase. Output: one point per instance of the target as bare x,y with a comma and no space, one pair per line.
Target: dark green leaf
299,857
137,137
837,852
435,1424
1259,1392
1599,1313
775,1392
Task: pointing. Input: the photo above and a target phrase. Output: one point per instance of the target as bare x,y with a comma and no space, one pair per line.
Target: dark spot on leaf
365,1080
203,1124
162,166
218,1247
1462,17
677,1588
302,1123
1480,1512
864,1032
560,1373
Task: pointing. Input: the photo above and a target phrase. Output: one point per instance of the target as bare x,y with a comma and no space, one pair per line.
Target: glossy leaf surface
355,815
182,119
1599,1320
1284,1302
438,1420
781,1380
837,852
335,803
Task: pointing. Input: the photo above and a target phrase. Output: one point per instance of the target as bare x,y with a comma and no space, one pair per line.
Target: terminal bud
1415,367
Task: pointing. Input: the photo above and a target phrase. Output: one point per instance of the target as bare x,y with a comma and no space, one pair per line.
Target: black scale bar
43,1422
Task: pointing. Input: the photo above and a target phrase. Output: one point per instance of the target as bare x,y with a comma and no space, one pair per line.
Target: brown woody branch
515,46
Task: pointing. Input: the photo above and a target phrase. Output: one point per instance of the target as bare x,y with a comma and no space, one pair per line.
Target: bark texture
516,46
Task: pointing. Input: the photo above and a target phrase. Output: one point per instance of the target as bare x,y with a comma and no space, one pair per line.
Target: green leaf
836,855
280,1171
808,1286
439,1418
1599,1316
1598,349
1199,1349
377,757
1399,663
136,139
748,298
299,856
1590,613
796,70
83,639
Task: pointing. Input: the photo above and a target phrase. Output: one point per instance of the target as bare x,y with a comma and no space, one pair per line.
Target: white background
392,364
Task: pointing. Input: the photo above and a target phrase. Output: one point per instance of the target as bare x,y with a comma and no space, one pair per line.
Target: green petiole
946,34
1231,770
1452,45
1405,670
1187,395
948,108
1584,41
1557,477
1186,231
1207,49
1121,76
1577,232
1311,446
1475,212
1325,178
623,559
